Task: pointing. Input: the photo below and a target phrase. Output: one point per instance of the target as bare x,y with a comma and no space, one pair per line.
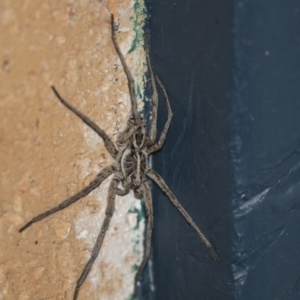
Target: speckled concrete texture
47,154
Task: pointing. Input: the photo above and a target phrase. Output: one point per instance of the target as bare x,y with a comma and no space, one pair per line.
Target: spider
130,167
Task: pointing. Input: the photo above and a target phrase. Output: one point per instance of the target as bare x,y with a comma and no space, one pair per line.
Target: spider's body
130,169
133,157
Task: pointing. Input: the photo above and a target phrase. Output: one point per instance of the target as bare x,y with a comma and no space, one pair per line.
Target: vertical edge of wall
264,143
47,154
191,53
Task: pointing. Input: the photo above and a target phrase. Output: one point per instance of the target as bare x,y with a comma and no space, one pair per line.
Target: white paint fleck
252,203
82,235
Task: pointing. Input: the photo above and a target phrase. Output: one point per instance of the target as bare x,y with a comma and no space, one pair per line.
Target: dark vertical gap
232,157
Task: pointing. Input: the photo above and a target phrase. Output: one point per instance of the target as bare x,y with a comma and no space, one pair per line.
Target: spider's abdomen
133,164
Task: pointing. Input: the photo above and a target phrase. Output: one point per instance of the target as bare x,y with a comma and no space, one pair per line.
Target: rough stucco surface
47,154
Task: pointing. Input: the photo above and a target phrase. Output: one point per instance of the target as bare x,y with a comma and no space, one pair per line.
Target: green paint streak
132,297
139,10
134,268
139,15
140,215
138,91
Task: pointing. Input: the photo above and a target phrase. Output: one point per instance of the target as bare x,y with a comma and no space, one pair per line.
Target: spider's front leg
109,145
153,129
131,84
157,146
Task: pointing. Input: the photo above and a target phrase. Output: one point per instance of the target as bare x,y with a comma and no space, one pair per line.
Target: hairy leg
163,136
129,131
108,215
162,185
110,147
149,228
153,130
130,79
84,192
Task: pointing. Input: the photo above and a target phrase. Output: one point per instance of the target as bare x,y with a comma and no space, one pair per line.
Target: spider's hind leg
84,192
105,224
163,186
149,229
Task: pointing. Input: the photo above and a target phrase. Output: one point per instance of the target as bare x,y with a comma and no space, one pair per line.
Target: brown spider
130,168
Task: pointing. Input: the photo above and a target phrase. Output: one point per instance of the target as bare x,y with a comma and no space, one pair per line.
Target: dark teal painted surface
232,157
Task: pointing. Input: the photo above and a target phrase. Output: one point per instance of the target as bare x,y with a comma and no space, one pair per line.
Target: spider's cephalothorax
130,169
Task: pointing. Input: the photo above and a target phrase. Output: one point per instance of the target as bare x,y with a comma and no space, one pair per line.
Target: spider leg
149,228
109,145
153,130
105,224
85,191
163,136
126,134
130,79
162,185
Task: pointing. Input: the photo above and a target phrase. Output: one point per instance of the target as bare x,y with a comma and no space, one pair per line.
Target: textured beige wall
47,154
